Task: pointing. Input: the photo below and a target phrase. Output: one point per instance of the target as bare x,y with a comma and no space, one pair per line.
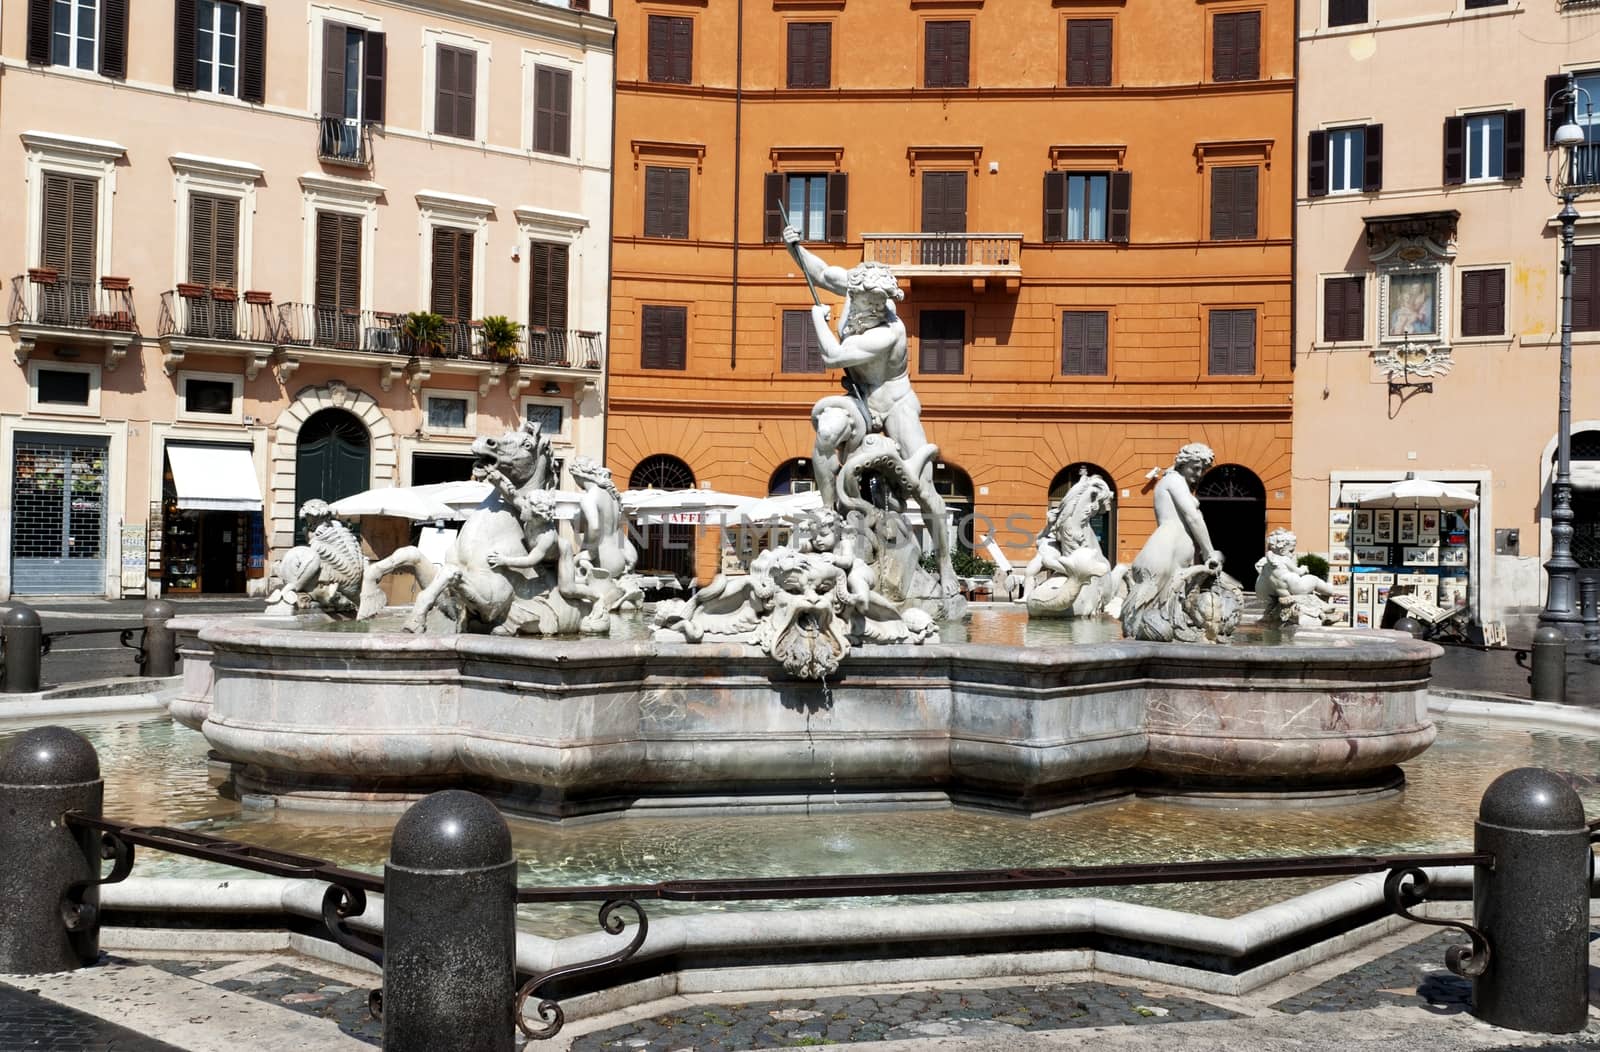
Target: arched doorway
664,548
955,487
331,459
1586,503
792,476
1104,524
1234,503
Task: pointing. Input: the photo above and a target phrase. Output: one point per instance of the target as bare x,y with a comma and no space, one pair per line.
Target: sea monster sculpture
1176,587
1292,596
1069,575
509,569
325,572
601,536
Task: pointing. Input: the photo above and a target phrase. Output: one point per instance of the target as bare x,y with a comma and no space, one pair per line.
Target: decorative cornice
531,215
924,155
455,204
89,149
811,158
1074,156
332,186
216,167
656,149
1233,150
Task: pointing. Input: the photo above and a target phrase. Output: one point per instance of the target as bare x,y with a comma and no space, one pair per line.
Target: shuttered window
552,110
80,34
353,64
671,49
946,54
547,296
455,100
817,205
1236,46
810,58
451,286
338,281
1232,343
1233,203
1088,206
1483,302
1083,343
1586,288
941,337
220,47
802,352
214,241
70,209
1483,147
1348,12
1088,51
666,202
1343,306
663,337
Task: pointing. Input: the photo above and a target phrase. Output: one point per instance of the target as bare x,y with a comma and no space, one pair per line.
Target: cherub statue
1293,596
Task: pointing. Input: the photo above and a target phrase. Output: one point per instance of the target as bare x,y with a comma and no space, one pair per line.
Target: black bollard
449,930
1550,664
1411,626
1533,904
160,644
21,634
46,772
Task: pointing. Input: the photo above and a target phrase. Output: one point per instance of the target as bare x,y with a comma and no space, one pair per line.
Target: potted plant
424,330
500,337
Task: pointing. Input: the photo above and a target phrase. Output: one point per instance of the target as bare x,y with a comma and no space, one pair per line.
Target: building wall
1011,420
152,140
1492,418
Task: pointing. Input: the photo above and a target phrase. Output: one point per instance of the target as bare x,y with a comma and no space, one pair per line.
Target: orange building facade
1089,208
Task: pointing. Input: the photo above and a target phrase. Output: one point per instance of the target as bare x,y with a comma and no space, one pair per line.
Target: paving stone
1412,976
28,1021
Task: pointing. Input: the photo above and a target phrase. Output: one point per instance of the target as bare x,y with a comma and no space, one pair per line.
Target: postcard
1421,555
1406,527
1383,526
1339,517
1373,555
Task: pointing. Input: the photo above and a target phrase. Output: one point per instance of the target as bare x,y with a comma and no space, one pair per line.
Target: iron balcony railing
1586,158
562,348
339,328
997,252
217,314
345,140
43,297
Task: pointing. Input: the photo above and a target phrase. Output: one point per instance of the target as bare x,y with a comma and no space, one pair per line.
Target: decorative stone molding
286,435
943,157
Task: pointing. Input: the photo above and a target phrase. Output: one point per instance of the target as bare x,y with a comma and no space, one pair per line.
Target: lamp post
1561,594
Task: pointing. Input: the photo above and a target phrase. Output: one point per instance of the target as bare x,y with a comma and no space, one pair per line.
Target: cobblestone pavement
30,1022
1407,976
279,983
923,1013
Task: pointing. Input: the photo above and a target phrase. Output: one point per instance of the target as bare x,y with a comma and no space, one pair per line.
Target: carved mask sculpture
805,632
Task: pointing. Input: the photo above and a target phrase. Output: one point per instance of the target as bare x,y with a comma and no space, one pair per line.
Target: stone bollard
1550,664
22,635
1409,625
1533,904
160,643
46,772
449,907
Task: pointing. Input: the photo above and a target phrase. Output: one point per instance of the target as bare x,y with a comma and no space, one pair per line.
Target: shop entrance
331,461
210,521
1234,503
58,515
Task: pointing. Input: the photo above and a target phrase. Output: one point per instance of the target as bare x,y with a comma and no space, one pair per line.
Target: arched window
1104,524
1234,503
664,548
792,476
332,460
661,471
955,486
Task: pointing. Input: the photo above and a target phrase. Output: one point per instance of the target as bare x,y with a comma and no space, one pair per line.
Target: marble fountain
822,672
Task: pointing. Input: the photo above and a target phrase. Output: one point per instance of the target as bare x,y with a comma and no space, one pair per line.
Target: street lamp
1560,604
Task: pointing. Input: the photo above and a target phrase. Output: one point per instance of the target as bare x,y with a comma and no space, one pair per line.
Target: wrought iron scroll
126,639
78,915
549,1011
1407,886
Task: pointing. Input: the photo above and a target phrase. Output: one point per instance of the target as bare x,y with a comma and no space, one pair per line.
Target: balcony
217,321
344,141
47,306
975,257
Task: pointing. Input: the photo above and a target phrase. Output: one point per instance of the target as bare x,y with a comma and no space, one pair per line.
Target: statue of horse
1069,575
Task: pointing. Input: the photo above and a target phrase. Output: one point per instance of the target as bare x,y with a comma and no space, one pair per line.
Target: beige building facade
250,252
1428,294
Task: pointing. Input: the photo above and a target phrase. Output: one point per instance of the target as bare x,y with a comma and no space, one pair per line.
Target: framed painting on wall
1406,524
1383,526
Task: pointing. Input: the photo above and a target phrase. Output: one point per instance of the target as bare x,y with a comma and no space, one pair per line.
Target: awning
1410,493
214,478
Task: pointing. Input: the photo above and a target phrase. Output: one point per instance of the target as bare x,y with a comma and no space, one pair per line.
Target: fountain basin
568,728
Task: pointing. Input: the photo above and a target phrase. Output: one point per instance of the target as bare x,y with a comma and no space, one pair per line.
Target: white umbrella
418,503
1419,493
785,507
653,506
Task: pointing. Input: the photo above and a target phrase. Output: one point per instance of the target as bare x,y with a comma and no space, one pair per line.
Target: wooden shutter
1245,195
1083,343
183,40
374,60
838,206
1317,164
39,32
1055,206
253,53
1483,302
1472,302
1078,52
1100,51
1232,350
1342,309
1586,288
671,49
1094,337
1224,47
821,54
663,342
334,36
1515,137
1248,62
682,52
801,352
225,254
650,338
960,54
1555,117
444,90
455,92
772,206
1244,342
68,234
451,292
338,278
946,54
1120,201
678,201
655,201
552,122
1222,200
944,202
941,341
810,55
1372,153
202,238
1220,344
658,60
1455,150
1089,51
114,39
548,294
